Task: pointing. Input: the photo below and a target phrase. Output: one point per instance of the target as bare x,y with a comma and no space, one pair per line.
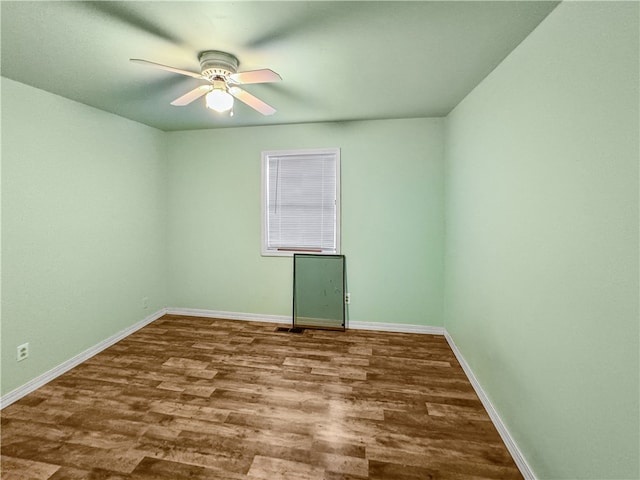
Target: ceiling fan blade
301,18
165,67
126,13
189,97
255,76
252,101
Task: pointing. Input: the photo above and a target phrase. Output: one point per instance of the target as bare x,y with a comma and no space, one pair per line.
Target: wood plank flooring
197,398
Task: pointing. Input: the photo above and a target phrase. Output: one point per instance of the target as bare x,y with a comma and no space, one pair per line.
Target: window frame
264,200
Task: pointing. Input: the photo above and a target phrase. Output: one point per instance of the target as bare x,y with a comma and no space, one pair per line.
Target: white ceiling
339,60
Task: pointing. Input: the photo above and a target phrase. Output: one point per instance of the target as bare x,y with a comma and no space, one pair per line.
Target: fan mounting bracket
215,64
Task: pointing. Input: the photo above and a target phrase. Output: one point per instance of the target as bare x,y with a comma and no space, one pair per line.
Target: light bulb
219,100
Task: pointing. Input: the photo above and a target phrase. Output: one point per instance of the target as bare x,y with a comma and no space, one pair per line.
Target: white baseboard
39,381
396,327
254,317
518,457
251,317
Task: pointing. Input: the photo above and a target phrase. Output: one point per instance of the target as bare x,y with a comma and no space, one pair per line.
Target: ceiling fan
220,69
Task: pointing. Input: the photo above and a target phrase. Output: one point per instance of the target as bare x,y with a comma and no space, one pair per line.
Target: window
301,202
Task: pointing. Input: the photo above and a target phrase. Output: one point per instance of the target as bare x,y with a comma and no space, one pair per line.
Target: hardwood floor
196,398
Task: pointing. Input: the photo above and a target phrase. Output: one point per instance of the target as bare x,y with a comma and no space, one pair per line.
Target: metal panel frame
319,256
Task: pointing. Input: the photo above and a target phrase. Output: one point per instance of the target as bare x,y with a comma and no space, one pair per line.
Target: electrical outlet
145,302
347,298
23,351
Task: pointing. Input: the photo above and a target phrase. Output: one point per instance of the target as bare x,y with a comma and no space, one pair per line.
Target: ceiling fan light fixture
220,69
219,100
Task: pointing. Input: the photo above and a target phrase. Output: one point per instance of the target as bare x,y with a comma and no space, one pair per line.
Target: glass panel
318,291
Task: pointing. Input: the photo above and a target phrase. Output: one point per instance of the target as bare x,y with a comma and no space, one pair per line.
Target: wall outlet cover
23,351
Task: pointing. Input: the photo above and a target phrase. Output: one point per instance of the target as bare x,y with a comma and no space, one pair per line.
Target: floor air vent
290,329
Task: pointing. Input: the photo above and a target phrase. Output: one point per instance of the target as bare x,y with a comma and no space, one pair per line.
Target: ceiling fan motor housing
216,64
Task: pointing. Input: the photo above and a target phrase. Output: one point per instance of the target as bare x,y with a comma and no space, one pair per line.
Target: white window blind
301,202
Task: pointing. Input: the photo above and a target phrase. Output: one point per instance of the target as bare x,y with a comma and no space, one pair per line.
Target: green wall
83,237
93,217
542,240
392,218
